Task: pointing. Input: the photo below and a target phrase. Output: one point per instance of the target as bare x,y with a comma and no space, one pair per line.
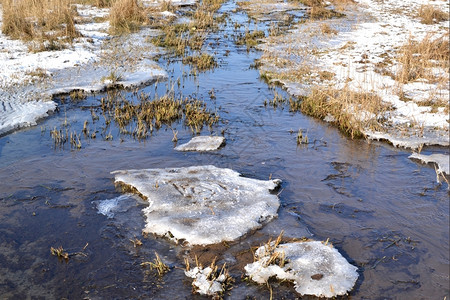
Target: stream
384,212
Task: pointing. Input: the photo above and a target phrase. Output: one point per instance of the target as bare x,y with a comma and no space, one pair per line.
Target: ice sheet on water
17,114
202,143
315,268
441,160
202,204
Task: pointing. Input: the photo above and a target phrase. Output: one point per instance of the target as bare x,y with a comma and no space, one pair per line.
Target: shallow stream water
385,213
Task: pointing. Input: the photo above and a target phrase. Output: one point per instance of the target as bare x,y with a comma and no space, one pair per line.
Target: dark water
385,213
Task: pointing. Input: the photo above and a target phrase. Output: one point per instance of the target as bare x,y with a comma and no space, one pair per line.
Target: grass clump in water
201,62
352,112
157,265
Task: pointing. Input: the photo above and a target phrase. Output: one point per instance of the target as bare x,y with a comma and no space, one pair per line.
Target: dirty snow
202,143
441,160
202,284
28,80
369,36
202,204
315,268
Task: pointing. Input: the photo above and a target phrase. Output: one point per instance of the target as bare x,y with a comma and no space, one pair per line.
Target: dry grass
351,111
429,14
418,59
41,20
201,62
157,265
126,16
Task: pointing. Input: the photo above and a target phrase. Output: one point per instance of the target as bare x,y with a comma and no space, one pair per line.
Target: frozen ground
360,50
202,205
28,80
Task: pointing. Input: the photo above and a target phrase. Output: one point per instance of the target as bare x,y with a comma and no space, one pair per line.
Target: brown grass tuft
343,106
42,20
429,14
418,59
126,16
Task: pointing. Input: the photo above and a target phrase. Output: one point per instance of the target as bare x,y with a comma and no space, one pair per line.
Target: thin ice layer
202,204
202,143
441,160
315,268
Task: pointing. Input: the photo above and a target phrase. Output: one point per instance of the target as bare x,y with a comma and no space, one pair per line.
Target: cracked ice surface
315,268
202,204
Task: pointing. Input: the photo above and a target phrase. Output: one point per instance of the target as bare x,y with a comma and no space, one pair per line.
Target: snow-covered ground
352,49
28,80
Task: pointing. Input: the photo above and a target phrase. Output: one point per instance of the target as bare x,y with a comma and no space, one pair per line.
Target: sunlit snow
315,268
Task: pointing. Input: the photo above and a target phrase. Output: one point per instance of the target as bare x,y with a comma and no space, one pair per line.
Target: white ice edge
202,204
441,160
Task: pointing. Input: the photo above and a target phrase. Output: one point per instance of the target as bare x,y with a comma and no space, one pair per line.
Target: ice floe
202,143
315,268
202,204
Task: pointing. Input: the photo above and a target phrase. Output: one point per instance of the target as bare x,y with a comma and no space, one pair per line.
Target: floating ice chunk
203,283
202,143
441,160
202,204
315,268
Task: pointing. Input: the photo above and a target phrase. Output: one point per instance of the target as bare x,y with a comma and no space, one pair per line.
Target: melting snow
315,268
202,143
203,284
202,204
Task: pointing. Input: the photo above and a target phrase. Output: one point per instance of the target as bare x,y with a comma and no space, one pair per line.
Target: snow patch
202,143
202,204
316,269
202,282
